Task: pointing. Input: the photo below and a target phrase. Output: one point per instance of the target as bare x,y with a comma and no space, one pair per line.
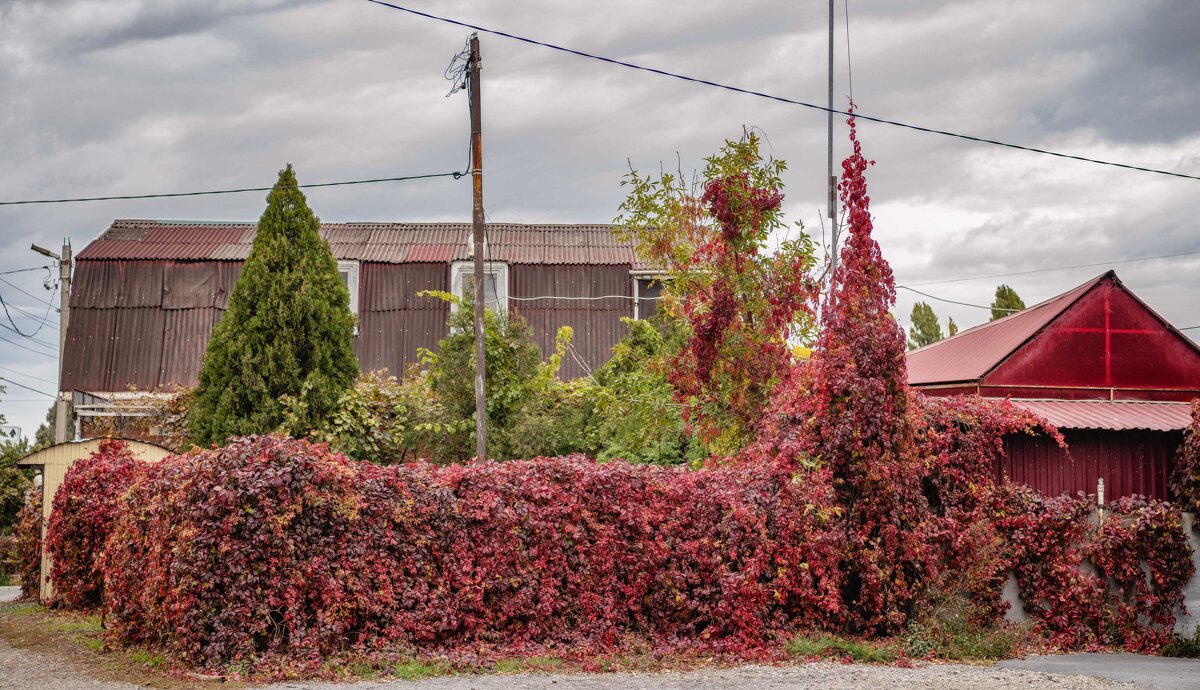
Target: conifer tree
952,328
288,330
925,327
1007,302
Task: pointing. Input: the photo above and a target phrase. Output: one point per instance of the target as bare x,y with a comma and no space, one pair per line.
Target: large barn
1098,363
147,294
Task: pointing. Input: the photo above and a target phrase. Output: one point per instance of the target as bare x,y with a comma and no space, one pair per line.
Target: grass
822,646
415,669
528,664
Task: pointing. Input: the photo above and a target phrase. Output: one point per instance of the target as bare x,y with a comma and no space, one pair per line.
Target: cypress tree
288,330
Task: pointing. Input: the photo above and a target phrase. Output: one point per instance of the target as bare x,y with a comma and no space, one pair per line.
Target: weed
147,658
1184,647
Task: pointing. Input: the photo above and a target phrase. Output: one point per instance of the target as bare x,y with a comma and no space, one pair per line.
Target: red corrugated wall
1131,462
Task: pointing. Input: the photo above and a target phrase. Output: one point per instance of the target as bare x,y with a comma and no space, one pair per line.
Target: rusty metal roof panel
971,354
1111,414
382,242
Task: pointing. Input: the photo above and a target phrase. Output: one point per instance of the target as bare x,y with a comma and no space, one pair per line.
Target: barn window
495,283
349,273
647,290
348,270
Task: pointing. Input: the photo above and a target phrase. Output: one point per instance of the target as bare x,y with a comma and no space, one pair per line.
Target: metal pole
833,219
477,229
64,316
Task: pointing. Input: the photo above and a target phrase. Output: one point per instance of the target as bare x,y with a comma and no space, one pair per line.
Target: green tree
952,328
1007,302
925,327
13,482
44,436
288,330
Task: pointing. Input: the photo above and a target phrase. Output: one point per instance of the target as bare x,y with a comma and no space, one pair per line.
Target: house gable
1106,344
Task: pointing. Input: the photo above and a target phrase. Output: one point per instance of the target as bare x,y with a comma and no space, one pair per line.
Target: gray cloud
138,96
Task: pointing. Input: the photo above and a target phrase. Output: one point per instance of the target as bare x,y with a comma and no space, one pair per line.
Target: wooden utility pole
477,229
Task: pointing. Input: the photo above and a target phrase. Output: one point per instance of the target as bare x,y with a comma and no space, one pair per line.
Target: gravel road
821,676
24,669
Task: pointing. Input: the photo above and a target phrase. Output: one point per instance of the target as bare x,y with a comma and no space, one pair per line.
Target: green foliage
516,380
14,482
635,416
925,327
384,420
288,330
952,328
1007,302
1183,647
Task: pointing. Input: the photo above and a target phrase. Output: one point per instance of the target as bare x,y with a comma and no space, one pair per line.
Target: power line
36,378
781,99
1059,269
26,347
39,299
950,301
1189,328
15,327
456,175
21,385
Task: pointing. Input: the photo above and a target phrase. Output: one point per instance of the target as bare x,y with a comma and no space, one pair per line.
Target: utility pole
833,219
477,229
65,263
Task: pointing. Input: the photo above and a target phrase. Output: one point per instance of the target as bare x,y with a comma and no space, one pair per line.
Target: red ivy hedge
271,548
81,518
28,532
1090,582
1185,481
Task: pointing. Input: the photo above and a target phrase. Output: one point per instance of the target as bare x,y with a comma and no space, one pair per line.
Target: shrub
81,519
28,533
384,420
277,549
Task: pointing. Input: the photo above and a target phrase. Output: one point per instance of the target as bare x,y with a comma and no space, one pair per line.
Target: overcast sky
108,97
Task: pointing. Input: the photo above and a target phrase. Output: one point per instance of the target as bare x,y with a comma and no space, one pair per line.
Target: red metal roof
1111,414
974,352
375,242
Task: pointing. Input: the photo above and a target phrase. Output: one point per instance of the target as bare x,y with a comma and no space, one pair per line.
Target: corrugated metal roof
1111,414
377,242
972,353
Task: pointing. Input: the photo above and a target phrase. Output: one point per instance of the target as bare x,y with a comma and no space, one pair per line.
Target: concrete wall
1187,620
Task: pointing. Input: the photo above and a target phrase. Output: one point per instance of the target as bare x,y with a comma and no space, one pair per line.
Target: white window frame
351,269
637,277
459,270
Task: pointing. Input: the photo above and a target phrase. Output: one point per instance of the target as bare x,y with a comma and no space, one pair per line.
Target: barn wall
1131,462
596,322
396,321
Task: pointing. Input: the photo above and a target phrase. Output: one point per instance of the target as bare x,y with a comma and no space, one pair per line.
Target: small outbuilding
53,463
1097,362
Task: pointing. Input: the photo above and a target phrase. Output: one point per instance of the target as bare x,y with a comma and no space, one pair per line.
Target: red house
1098,363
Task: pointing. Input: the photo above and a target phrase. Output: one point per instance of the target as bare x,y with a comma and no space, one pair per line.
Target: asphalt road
1150,671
